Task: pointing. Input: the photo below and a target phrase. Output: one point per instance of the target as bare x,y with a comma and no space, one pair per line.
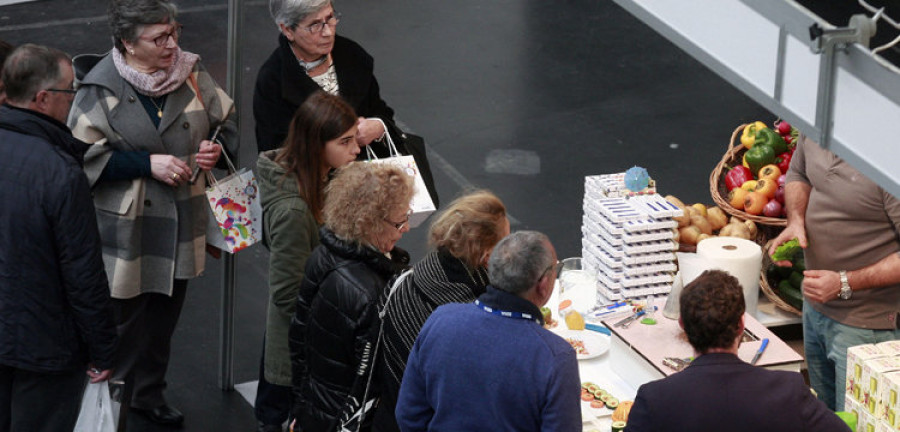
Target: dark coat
720,392
334,326
282,86
55,312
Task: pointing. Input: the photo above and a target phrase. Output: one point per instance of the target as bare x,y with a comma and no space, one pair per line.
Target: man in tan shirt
848,227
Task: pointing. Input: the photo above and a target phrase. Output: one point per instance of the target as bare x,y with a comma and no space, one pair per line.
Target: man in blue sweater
491,365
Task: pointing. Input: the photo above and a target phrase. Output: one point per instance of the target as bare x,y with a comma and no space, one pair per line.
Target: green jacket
291,233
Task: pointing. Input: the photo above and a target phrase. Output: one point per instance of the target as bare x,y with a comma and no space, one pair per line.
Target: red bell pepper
737,176
784,161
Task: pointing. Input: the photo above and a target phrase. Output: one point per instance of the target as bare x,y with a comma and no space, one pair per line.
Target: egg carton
618,210
648,224
664,256
612,239
599,243
636,281
646,290
594,214
597,255
610,293
657,207
592,226
633,271
645,236
649,247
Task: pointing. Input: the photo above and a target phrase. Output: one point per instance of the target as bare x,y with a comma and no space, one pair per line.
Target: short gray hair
291,12
519,260
31,68
127,18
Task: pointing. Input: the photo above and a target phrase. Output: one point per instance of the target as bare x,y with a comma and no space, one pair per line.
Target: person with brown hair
292,184
455,271
719,391
332,334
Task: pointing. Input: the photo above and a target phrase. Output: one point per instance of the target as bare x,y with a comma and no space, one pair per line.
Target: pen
213,138
762,347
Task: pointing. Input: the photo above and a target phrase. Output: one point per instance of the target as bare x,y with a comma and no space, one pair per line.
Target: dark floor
522,97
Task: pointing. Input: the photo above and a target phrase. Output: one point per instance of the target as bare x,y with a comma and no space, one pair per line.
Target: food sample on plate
578,345
598,397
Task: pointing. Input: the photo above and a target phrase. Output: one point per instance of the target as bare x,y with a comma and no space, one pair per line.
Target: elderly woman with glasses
311,56
332,334
148,111
455,271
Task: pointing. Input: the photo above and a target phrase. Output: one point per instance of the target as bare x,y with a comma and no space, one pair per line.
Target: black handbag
414,145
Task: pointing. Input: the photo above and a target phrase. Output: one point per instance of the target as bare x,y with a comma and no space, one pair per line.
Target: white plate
595,343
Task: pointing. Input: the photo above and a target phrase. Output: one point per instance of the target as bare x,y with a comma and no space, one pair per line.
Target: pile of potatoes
700,222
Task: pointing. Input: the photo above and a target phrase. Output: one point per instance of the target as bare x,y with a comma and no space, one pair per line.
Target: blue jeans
825,342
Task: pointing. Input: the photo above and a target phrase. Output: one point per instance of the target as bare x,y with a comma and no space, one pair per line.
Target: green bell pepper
759,156
772,139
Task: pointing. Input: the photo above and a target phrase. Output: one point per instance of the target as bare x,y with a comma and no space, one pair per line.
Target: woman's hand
208,155
169,169
368,131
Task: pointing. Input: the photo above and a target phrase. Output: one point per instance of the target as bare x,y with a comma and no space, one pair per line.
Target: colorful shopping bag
235,205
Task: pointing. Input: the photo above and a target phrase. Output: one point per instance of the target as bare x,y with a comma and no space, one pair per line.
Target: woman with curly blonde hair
333,331
462,238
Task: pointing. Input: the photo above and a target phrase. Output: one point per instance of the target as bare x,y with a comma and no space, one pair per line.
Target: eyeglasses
399,225
163,39
331,21
66,91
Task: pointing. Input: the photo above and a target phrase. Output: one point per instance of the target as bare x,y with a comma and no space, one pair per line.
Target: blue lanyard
507,314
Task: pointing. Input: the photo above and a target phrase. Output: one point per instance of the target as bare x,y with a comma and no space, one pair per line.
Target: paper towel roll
740,258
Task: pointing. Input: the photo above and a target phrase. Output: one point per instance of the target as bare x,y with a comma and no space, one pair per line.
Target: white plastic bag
96,410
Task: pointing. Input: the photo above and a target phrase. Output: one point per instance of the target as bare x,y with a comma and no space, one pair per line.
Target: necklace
159,107
309,66
471,276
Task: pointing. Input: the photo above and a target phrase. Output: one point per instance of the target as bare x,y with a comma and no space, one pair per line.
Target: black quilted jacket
55,312
332,332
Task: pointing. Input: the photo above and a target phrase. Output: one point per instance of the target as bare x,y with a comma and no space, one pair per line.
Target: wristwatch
846,292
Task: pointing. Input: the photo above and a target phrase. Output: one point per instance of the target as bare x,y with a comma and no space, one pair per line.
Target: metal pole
233,88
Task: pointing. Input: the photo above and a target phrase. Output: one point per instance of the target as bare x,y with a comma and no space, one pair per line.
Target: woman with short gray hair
311,56
148,110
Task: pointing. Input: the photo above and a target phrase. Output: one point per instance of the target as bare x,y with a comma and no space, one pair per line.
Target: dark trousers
273,401
37,402
145,325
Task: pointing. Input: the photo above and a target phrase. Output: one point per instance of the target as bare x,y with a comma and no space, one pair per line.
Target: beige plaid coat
151,232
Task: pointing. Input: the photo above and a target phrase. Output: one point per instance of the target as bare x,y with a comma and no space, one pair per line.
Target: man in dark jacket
719,391
55,315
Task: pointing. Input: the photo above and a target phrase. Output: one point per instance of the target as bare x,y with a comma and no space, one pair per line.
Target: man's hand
821,286
797,231
98,375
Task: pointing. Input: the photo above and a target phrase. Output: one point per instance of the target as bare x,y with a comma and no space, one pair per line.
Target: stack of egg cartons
873,386
628,238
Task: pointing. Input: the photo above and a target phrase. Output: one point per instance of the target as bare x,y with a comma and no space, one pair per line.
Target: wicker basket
766,286
734,156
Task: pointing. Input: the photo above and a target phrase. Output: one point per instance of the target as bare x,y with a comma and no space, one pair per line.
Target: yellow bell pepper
748,137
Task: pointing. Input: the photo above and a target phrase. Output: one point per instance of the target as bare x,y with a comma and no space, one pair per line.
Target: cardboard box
890,395
855,357
890,348
873,382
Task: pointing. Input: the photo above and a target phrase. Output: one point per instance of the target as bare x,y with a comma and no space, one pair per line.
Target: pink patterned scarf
160,82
